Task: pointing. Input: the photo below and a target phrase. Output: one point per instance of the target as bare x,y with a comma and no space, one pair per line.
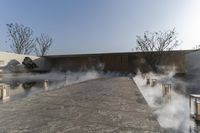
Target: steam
173,116
70,77
34,82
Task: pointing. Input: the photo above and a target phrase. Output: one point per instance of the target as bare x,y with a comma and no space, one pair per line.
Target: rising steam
34,82
173,116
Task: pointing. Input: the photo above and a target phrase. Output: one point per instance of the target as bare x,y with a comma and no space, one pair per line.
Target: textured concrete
102,105
117,62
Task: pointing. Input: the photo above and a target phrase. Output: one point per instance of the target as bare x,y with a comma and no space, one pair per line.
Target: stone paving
107,105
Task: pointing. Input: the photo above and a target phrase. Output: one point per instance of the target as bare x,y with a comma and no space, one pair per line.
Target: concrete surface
97,106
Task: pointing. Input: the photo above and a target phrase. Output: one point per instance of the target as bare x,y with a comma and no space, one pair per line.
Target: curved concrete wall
6,57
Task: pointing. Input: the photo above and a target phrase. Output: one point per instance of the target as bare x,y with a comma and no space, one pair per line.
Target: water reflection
14,84
27,86
13,90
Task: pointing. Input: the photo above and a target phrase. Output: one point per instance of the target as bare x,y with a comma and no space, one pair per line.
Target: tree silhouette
154,46
21,37
44,42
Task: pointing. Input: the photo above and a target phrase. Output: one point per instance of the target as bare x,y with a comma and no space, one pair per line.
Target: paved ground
97,106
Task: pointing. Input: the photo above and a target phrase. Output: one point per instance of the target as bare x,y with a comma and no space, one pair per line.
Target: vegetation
21,37
22,41
28,63
44,42
155,45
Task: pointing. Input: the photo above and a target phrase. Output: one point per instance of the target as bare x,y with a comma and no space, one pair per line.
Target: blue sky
95,26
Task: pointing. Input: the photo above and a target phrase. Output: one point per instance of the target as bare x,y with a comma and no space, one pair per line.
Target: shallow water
16,90
17,86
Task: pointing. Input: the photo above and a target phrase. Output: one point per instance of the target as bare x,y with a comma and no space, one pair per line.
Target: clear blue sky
93,26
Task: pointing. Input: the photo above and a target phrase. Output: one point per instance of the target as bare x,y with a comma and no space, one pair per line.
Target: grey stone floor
108,105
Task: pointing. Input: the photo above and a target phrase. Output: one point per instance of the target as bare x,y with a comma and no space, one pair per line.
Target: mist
173,115
21,85
26,84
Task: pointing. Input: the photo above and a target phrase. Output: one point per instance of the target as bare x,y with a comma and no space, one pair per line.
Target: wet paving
101,105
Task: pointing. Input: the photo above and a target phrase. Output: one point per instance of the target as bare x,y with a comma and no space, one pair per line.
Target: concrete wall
193,62
171,60
118,62
108,62
6,58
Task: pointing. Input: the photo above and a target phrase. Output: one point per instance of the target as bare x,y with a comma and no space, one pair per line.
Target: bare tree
154,46
21,37
44,42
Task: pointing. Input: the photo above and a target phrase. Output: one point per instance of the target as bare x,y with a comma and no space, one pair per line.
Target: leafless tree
154,46
44,42
21,37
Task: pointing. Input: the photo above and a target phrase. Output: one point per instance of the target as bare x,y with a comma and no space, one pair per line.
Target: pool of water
14,89
20,85
17,86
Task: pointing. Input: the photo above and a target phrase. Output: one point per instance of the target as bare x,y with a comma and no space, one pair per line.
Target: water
20,85
17,89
